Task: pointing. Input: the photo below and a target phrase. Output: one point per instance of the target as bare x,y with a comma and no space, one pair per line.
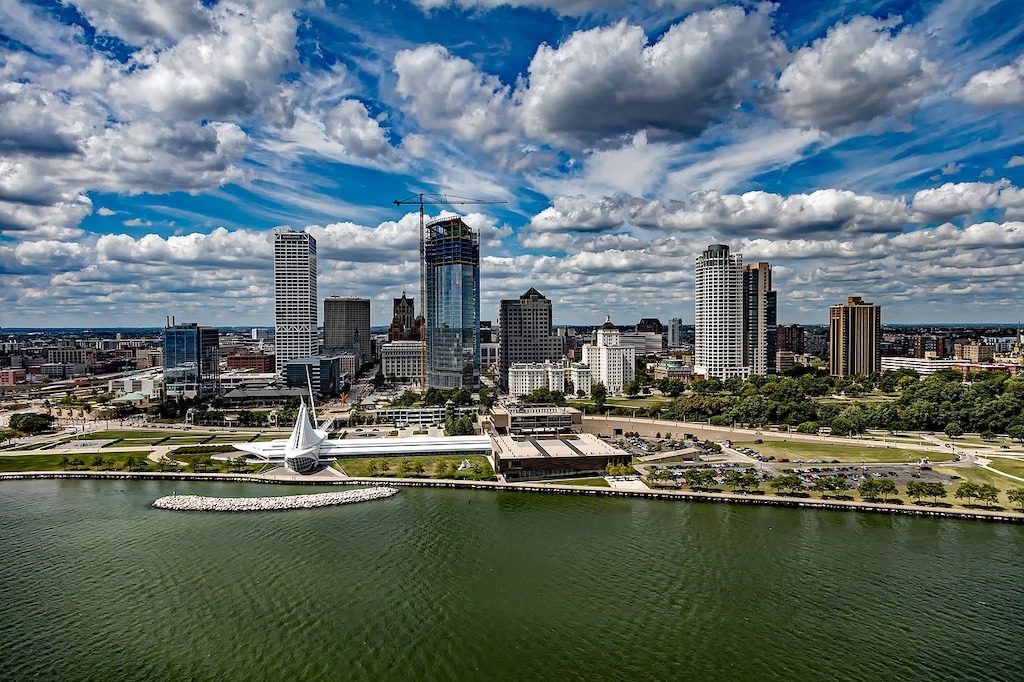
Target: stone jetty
241,504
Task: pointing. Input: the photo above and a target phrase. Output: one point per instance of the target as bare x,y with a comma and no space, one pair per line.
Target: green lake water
452,584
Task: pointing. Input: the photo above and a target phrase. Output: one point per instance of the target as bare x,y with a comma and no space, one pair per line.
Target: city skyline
146,157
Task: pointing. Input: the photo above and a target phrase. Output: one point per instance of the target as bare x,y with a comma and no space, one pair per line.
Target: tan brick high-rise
854,338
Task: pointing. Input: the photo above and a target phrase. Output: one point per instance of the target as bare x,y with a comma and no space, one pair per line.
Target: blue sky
148,147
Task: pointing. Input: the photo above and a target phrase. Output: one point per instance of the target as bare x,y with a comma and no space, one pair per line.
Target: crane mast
422,199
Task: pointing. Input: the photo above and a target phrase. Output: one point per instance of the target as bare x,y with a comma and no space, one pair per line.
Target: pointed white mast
312,405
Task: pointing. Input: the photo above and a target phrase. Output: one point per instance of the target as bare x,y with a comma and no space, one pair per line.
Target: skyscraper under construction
452,307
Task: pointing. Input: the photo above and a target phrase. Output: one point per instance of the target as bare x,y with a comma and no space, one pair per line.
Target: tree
1016,496
8,435
632,388
988,493
935,490
64,462
98,462
953,430
699,478
868,488
966,490
1015,432
916,490
886,487
378,379
598,393
31,423
988,435
791,482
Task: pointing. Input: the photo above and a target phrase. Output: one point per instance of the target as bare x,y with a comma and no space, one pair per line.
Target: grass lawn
844,453
1014,467
979,475
596,482
52,462
361,466
132,443
155,434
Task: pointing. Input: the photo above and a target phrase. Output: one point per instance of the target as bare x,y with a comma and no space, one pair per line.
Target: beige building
974,352
854,338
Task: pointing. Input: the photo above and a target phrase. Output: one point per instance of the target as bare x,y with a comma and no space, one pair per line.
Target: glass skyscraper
452,280
191,360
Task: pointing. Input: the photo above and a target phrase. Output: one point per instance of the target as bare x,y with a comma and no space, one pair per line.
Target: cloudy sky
148,147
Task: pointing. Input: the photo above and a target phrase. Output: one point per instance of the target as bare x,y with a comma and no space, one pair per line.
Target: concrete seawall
550,488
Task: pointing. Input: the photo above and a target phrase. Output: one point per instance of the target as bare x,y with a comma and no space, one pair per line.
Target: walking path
692,496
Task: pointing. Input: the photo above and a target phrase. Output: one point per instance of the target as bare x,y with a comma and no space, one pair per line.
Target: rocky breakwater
277,503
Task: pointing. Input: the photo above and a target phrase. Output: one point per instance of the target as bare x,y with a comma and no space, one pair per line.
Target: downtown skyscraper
452,307
526,334
295,299
347,326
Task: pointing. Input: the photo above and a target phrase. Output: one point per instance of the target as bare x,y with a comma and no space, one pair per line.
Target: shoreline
549,488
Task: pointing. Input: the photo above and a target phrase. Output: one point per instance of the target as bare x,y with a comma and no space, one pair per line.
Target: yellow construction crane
422,199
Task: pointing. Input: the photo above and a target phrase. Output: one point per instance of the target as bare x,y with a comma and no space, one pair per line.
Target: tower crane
422,199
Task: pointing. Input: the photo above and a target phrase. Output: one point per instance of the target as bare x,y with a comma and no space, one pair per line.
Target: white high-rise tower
718,314
295,301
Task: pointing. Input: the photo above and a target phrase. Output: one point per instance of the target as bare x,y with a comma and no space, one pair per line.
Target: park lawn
360,466
595,482
979,475
793,450
1014,467
51,462
264,437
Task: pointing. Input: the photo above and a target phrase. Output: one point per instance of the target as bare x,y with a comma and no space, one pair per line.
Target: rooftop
533,447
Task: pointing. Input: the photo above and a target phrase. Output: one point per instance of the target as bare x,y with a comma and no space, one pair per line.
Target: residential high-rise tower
759,319
718,314
295,300
854,338
452,307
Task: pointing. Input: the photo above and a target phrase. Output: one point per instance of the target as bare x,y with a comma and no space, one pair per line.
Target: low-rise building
10,377
673,368
246,378
260,362
535,419
520,458
923,366
149,384
974,352
420,416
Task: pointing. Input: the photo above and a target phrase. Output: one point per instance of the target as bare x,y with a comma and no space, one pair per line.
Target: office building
675,333
347,327
324,374
533,420
191,360
854,338
400,361
718,314
611,363
452,315
295,299
526,334
759,319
